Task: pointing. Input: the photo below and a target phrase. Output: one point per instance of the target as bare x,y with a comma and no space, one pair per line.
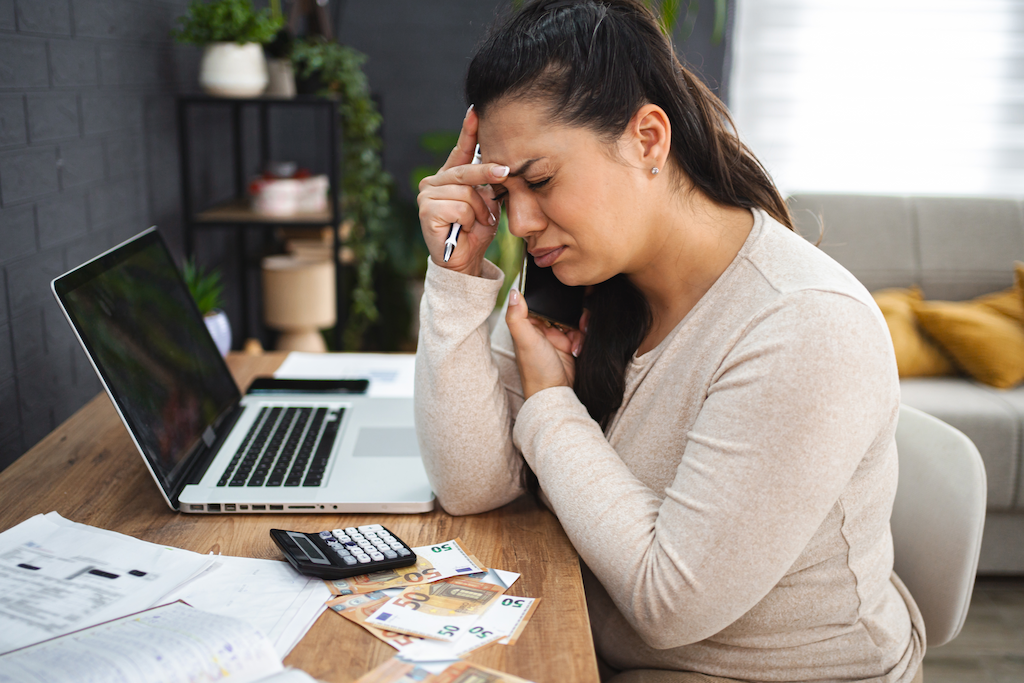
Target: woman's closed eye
501,195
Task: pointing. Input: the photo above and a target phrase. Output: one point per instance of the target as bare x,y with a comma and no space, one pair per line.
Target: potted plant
232,34
208,292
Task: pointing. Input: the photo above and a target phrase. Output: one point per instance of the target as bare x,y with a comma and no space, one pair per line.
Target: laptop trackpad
386,441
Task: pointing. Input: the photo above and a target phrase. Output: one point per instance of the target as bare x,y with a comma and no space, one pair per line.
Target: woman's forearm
463,411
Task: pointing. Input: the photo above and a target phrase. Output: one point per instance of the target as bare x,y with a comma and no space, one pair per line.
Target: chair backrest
937,520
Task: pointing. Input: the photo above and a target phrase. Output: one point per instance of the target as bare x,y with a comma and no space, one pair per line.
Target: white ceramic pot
233,70
220,329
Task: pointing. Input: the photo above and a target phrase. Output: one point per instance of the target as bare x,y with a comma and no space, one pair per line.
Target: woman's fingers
457,193
466,146
447,204
542,352
467,174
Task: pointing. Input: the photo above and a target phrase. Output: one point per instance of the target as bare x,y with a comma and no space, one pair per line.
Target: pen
453,232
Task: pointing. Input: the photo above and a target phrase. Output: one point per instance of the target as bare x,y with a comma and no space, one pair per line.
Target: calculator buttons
340,553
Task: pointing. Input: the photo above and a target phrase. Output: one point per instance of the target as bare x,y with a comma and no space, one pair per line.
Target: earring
654,171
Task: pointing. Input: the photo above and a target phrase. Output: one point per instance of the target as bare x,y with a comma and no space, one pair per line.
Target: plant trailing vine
365,186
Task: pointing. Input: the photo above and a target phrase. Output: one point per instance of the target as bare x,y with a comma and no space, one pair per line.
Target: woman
717,439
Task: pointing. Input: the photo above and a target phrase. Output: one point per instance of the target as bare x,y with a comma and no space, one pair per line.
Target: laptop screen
146,337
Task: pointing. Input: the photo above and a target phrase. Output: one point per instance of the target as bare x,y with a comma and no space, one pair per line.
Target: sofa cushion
1009,302
985,416
967,245
988,345
872,237
1015,399
916,354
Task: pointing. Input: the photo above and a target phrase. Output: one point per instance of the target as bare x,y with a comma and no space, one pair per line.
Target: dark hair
594,63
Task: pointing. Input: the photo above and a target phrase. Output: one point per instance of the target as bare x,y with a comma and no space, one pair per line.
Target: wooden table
89,471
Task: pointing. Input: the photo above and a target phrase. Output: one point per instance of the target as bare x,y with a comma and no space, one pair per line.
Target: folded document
58,576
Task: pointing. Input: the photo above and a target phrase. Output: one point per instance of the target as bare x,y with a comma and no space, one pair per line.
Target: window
901,96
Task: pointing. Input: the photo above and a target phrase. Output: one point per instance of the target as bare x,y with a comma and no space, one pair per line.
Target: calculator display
307,547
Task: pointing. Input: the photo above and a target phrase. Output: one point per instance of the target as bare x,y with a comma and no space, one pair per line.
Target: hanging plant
364,183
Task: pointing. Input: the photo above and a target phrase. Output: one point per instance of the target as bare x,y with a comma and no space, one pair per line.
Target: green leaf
439,142
721,15
226,21
205,287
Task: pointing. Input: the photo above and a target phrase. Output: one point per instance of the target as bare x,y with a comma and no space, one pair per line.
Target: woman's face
573,198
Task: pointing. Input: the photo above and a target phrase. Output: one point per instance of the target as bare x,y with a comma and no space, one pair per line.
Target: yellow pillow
916,355
1009,302
987,344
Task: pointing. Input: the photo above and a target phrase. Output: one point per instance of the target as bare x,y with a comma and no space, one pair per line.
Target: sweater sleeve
465,394
799,399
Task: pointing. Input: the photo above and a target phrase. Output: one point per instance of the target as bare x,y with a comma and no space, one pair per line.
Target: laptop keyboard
285,447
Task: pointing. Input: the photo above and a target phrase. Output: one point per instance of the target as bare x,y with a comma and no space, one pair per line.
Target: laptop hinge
206,451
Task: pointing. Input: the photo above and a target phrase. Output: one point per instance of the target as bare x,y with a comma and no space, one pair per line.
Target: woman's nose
525,216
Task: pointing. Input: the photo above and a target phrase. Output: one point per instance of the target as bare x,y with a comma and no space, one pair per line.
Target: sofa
954,249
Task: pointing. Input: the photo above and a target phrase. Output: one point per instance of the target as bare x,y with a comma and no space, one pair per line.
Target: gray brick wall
88,157
89,154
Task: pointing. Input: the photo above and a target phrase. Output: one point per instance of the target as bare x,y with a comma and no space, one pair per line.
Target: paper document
391,375
57,576
268,594
170,643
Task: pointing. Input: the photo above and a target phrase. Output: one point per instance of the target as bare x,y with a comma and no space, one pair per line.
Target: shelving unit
236,214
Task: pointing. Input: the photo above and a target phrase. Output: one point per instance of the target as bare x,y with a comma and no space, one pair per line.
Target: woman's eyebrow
525,167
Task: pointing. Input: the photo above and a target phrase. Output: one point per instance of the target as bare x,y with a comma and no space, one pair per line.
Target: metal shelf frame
233,215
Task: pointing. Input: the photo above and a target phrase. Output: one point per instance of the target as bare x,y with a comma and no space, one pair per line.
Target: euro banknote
433,563
396,670
503,622
442,610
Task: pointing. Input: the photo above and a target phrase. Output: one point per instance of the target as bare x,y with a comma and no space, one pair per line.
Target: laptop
286,446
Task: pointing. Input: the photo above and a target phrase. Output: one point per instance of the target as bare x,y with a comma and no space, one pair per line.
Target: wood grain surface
89,471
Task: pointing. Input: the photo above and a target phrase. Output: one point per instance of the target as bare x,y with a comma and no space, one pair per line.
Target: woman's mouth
544,258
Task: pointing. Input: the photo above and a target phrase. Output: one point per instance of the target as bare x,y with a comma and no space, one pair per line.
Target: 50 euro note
356,608
503,622
396,670
443,610
433,563
468,671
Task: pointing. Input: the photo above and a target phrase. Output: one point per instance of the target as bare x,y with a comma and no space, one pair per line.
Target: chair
937,520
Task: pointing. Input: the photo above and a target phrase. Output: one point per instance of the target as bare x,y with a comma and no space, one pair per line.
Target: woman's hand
451,196
546,355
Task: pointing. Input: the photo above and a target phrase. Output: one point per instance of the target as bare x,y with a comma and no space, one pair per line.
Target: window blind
900,96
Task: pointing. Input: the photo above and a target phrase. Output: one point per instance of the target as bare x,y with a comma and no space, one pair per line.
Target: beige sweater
737,509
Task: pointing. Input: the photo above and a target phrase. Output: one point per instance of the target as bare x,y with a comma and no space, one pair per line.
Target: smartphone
549,299
276,385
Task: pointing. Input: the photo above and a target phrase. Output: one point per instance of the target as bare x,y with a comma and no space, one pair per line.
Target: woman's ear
651,137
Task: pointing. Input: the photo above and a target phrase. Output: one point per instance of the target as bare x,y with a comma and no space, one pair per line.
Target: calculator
340,553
